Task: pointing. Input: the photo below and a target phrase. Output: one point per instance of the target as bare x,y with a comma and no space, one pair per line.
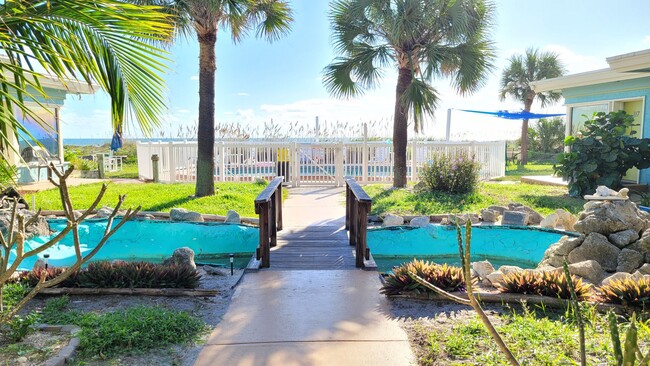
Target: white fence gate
324,163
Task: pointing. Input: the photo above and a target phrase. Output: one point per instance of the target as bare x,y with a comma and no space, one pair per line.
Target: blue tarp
514,115
116,142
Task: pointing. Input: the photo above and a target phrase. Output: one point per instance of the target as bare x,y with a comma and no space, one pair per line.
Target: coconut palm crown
424,40
534,65
267,18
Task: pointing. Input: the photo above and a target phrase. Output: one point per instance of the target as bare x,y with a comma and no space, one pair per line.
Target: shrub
457,173
602,154
443,276
103,274
553,284
628,291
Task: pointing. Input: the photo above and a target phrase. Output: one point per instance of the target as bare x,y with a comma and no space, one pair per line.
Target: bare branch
34,218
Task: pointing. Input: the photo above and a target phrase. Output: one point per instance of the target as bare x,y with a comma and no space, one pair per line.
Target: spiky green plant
555,284
520,282
446,277
399,281
627,354
627,291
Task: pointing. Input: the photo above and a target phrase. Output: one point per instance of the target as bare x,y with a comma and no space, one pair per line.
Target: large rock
549,221
509,269
515,218
482,268
181,214
38,228
392,220
623,238
104,212
489,215
420,221
566,245
645,269
629,260
181,257
589,270
495,278
499,209
534,217
607,217
615,277
598,248
452,219
232,217
643,244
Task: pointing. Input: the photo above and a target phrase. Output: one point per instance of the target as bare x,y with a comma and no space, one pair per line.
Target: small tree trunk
524,133
205,160
400,129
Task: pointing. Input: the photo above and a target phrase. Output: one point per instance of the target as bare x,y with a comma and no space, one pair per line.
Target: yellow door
634,108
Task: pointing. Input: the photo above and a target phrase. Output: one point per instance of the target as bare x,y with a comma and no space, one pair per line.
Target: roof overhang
628,66
69,85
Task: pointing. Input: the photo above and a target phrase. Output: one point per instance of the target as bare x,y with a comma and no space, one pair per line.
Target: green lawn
533,338
129,171
514,172
545,199
160,197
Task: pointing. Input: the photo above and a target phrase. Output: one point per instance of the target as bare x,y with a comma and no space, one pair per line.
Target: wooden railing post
268,205
357,208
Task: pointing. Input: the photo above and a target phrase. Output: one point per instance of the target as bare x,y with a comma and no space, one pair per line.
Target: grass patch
160,197
514,172
545,199
129,331
534,338
129,171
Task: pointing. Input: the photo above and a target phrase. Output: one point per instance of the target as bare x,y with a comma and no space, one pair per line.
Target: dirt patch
209,309
34,349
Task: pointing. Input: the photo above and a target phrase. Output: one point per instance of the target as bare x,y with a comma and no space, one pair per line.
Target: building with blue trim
625,85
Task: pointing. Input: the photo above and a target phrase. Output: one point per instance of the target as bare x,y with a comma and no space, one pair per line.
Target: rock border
65,353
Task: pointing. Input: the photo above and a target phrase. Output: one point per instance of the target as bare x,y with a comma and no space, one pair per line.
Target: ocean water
150,240
501,245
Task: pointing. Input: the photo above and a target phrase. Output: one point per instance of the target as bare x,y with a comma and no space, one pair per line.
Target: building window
43,132
580,114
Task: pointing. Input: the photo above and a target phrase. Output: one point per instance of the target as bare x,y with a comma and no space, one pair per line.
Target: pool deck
293,314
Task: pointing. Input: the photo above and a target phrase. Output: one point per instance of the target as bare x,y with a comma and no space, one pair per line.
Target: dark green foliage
105,274
547,135
32,277
602,154
12,293
628,291
443,276
551,284
21,325
458,173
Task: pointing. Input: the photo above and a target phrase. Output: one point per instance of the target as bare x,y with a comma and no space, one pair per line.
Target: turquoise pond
151,240
501,245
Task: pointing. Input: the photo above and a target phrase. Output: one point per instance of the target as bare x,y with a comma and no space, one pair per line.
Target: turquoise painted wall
625,89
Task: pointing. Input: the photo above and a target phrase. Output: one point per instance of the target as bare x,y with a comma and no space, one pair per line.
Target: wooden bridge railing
357,208
268,205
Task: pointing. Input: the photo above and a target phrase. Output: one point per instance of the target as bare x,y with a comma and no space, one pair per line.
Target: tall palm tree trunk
524,133
207,70
400,129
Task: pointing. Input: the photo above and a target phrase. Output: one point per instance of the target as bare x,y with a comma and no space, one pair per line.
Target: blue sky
259,81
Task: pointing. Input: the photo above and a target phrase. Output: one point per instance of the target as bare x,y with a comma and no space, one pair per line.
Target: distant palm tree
423,39
105,42
550,133
270,18
516,79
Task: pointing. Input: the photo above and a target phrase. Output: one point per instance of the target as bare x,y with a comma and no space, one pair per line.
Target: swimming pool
150,240
512,245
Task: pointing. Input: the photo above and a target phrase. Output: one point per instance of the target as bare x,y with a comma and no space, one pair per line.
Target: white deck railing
317,163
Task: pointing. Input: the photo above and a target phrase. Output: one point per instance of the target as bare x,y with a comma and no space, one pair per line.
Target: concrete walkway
309,317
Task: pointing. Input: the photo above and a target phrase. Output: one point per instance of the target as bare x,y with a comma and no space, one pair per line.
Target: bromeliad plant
446,277
603,154
14,242
553,284
628,291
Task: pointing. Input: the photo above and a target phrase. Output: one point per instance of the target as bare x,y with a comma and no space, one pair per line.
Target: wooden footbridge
310,229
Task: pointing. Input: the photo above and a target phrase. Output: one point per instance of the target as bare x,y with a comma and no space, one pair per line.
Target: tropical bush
627,291
553,284
602,153
446,277
547,135
457,173
103,274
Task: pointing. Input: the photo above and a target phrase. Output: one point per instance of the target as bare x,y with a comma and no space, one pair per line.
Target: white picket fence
314,163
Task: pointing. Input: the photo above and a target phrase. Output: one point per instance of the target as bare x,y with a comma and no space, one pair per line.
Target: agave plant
627,291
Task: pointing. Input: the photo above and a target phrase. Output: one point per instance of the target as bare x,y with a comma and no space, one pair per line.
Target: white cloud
576,63
194,77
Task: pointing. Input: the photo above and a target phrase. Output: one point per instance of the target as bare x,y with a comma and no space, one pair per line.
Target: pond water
150,240
501,245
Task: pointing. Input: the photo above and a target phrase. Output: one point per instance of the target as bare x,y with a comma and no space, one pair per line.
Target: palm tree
423,39
270,18
103,42
516,79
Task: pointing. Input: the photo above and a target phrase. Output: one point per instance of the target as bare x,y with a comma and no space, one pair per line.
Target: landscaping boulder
549,221
629,260
589,270
181,214
643,244
232,217
104,212
509,269
482,268
564,246
214,271
452,219
644,269
515,218
623,238
598,248
614,277
38,228
607,217
490,215
181,257
499,209
419,221
534,217
495,278
392,220
552,261
565,219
